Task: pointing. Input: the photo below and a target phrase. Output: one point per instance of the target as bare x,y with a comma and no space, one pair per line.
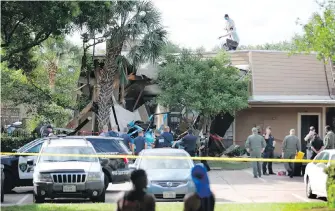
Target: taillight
125,160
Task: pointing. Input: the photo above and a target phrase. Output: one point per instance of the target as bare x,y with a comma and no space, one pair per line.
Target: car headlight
94,176
43,178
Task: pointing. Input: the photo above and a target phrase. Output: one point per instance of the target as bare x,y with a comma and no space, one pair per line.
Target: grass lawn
229,165
175,207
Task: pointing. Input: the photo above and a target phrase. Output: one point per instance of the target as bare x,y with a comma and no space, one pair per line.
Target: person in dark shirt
137,199
114,132
167,134
203,199
269,151
139,143
160,141
189,142
126,138
316,145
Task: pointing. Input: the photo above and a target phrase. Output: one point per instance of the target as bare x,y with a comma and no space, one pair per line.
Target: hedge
8,143
330,171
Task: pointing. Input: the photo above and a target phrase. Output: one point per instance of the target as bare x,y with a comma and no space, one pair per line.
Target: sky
196,23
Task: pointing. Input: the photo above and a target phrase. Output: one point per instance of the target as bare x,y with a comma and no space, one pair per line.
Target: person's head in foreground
203,198
137,198
139,179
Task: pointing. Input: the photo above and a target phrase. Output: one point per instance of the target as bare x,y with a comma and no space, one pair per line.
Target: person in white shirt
233,40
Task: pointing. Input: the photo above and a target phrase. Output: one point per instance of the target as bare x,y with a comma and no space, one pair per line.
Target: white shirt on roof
229,24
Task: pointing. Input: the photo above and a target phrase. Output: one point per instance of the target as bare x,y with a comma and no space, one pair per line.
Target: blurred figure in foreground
203,199
137,199
255,145
291,145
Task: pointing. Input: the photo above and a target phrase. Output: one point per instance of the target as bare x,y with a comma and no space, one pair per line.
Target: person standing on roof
233,40
114,132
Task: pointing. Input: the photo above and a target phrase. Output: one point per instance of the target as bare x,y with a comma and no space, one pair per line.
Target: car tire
309,192
106,181
8,183
2,193
101,198
38,199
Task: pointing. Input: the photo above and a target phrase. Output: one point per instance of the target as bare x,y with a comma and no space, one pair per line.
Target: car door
313,172
25,171
320,176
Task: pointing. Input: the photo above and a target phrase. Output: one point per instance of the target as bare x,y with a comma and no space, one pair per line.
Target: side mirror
30,162
104,161
14,150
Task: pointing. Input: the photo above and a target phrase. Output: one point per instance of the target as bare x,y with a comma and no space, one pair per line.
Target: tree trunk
52,70
107,77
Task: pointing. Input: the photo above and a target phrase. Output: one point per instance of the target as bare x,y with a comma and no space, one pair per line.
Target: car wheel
8,183
38,199
309,192
106,181
2,193
101,198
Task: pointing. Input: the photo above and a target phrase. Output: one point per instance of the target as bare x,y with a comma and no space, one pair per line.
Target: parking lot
228,187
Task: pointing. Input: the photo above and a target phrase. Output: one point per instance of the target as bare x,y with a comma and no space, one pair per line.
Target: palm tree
137,22
55,54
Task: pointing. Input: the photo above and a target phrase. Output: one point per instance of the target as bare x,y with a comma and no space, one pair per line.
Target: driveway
228,187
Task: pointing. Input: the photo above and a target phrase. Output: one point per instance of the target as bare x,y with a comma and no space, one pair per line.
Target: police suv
71,173
18,173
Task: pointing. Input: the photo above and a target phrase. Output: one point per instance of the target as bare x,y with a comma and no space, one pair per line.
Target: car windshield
26,146
103,145
68,151
166,163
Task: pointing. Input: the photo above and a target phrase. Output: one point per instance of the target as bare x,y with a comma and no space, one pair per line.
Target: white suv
67,176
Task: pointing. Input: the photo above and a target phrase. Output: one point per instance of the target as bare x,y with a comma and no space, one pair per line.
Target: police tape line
239,159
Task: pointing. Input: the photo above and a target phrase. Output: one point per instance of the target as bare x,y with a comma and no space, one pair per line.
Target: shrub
330,171
8,143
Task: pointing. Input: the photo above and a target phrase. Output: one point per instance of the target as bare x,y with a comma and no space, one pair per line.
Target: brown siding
239,58
280,119
280,74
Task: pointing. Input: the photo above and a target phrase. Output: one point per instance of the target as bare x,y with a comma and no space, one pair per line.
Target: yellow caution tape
172,157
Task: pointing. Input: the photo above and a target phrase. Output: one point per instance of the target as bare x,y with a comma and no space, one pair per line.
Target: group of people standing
263,146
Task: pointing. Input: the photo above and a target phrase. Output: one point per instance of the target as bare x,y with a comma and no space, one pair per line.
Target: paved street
228,186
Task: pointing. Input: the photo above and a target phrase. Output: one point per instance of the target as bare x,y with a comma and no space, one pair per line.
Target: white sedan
315,178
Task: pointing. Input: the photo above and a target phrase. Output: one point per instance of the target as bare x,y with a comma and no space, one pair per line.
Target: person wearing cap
189,142
255,145
202,199
139,143
137,198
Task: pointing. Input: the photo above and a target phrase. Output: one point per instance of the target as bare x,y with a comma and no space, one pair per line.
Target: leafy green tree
319,33
33,89
207,86
137,23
